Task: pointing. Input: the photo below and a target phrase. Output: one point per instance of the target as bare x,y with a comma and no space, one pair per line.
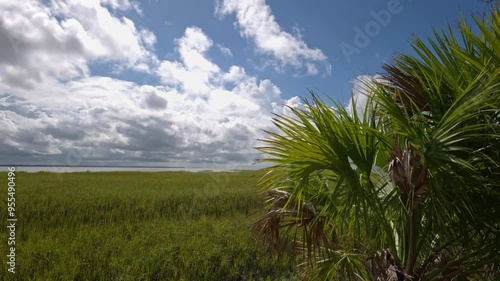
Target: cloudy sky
184,82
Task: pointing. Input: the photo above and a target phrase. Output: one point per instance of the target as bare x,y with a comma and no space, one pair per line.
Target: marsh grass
138,226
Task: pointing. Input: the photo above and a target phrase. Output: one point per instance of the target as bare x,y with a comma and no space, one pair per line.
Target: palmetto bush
407,189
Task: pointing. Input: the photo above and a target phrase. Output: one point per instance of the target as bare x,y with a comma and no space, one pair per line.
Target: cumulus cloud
199,115
225,50
194,71
361,93
62,38
256,22
153,100
122,5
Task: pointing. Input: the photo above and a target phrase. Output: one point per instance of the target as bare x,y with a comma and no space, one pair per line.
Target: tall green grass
137,226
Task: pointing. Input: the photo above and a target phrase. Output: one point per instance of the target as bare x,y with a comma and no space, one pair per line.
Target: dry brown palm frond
407,89
382,267
408,172
288,220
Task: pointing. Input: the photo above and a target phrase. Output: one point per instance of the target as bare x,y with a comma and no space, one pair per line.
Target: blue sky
185,83
324,25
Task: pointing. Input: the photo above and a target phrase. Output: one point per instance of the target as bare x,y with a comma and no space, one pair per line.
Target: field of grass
137,226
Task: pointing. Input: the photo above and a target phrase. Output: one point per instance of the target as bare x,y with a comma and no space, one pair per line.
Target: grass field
137,226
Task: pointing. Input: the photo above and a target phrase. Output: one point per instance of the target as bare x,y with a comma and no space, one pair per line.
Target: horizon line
93,166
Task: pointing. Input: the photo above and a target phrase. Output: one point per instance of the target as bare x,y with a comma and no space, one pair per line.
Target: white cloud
311,69
361,92
148,38
111,38
256,22
194,72
122,5
202,115
62,39
225,50
193,47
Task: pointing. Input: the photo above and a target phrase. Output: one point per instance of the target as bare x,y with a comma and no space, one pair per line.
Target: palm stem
410,262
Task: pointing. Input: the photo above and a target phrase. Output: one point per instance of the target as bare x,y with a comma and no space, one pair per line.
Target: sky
190,83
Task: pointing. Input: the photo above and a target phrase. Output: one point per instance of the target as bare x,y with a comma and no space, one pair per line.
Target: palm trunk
410,262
